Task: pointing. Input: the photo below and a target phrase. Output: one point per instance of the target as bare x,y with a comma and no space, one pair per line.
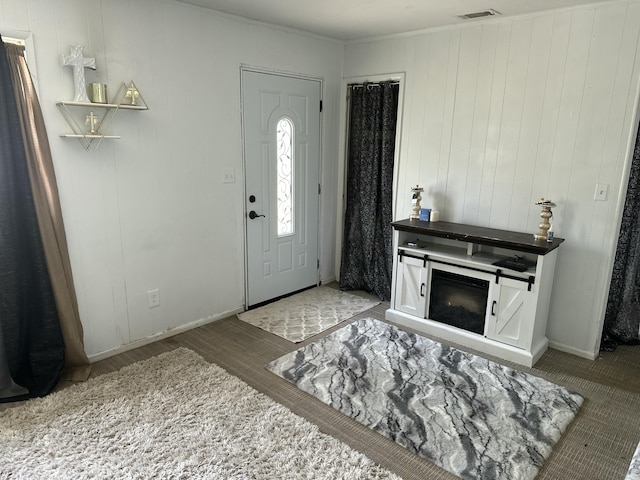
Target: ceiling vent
484,13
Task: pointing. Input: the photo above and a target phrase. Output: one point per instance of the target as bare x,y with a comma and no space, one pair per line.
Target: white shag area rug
172,416
308,313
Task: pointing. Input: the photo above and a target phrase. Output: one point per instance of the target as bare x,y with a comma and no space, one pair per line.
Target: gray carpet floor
597,445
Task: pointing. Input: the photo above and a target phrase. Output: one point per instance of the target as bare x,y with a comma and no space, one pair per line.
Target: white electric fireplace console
446,283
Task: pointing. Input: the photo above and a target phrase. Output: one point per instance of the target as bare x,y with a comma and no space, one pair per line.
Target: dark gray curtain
32,352
622,317
49,213
367,245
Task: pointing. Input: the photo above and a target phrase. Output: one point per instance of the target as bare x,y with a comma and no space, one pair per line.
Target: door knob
253,214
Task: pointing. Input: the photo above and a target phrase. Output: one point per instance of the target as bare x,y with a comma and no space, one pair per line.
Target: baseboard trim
325,281
170,332
572,350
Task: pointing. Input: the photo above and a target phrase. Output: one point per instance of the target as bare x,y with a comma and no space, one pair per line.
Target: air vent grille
484,13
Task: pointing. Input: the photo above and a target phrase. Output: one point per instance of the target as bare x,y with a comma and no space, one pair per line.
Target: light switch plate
228,175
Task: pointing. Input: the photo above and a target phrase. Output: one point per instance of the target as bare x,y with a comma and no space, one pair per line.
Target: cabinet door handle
422,290
493,308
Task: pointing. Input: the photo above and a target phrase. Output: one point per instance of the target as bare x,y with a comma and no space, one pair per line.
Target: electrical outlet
153,298
602,189
228,175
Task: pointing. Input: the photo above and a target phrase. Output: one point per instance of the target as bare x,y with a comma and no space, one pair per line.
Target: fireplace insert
458,300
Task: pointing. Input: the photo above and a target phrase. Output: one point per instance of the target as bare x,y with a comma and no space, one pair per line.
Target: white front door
281,123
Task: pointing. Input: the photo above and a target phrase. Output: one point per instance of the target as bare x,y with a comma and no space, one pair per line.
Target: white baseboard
573,351
170,332
325,281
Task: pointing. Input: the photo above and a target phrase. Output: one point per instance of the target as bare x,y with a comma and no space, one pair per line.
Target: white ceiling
357,19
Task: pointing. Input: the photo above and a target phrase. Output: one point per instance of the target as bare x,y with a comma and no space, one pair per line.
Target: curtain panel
31,336
40,330
49,214
622,315
367,257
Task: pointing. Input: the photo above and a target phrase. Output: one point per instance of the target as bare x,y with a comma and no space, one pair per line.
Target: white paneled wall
495,115
150,210
501,113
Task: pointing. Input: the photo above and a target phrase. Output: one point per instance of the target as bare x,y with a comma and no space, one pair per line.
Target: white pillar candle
435,215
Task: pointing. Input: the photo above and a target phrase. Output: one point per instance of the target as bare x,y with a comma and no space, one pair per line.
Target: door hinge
319,189
320,105
318,263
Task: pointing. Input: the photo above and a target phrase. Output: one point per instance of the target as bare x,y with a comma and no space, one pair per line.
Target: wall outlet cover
153,298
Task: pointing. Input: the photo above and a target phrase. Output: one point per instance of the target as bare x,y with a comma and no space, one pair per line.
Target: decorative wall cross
79,63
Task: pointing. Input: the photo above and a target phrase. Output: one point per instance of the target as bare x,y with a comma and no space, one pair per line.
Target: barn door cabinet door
512,313
411,285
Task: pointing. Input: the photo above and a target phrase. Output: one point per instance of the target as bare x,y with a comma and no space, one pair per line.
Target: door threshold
267,302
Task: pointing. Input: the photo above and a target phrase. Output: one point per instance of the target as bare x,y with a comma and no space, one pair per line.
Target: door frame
280,73
341,201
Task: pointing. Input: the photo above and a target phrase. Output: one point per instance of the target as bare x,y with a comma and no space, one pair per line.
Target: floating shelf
73,135
74,111
108,106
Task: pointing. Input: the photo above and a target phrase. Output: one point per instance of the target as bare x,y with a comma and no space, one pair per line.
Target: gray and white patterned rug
308,313
634,466
469,415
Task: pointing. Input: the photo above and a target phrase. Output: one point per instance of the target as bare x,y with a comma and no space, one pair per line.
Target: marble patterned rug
634,467
308,313
471,416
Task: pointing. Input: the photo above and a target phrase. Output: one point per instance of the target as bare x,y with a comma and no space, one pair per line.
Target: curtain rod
372,84
15,41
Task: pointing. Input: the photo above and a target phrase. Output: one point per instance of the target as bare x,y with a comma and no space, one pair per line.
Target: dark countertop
522,242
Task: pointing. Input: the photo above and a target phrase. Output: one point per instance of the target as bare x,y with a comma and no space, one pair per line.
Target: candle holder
98,92
415,202
545,214
94,123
